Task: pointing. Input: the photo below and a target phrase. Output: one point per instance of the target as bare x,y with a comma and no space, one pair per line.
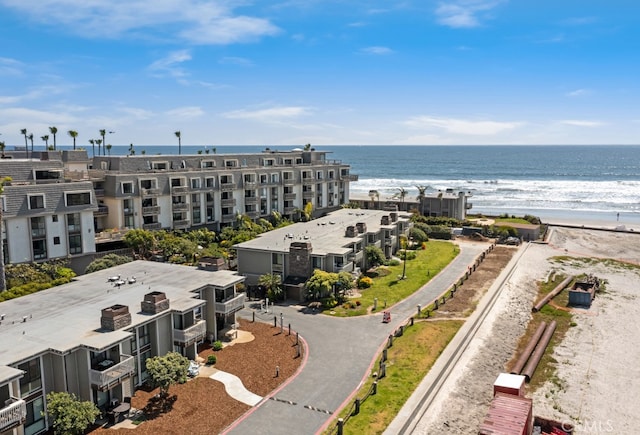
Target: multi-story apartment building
334,243
66,205
44,216
181,192
92,338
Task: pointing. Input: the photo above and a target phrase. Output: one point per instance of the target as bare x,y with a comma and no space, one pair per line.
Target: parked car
193,370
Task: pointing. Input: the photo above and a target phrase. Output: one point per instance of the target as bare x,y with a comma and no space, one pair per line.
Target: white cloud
273,114
464,13
582,123
188,112
230,60
195,21
578,21
136,113
461,126
10,66
169,65
377,50
578,93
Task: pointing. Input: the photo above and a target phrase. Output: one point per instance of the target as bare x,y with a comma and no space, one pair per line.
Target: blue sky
321,71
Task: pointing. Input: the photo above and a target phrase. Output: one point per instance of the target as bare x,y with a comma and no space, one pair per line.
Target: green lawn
391,289
507,221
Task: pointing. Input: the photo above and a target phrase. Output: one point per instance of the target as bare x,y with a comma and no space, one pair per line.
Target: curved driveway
340,352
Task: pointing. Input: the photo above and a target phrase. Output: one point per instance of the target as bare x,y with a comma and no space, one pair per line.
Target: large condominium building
92,338
61,204
333,243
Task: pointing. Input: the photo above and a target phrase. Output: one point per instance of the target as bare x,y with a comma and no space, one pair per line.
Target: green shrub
393,262
410,255
364,282
211,359
217,345
329,302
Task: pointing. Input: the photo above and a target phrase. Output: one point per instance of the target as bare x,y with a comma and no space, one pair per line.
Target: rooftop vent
362,227
115,317
385,220
351,231
154,303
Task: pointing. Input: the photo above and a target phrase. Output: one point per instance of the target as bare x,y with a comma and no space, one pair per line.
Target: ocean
585,183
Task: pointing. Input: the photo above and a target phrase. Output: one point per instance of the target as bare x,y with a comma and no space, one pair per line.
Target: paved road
340,353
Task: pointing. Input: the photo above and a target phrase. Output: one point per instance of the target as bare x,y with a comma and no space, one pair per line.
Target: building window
35,421
195,183
319,175
36,202
31,381
83,198
208,164
127,206
54,218
196,216
38,227
128,221
159,165
269,162
276,259
209,182
75,244
127,188
316,262
231,163
56,240
148,184
210,214
39,249
274,178
145,336
73,222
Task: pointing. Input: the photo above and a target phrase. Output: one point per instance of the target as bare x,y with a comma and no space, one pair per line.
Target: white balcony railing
191,334
113,373
13,414
231,305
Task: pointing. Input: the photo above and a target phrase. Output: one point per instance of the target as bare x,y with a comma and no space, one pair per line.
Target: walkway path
341,352
234,387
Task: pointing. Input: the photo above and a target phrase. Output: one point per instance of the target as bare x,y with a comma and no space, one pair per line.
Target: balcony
109,373
179,189
250,184
229,202
150,192
228,218
253,214
308,194
308,180
289,210
251,199
13,414
149,210
227,185
99,192
180,206
191,334
230,305
289,196
152,226
288,181
181,224
103,210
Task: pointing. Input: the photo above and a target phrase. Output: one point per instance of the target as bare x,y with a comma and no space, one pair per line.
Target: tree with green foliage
321,284
418,235
402,194
74,135
141,241
404,244
167,370
373,256
70,415
272,282
422,193
109,260
54,131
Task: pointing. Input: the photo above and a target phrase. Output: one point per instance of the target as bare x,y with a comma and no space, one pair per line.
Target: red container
508,415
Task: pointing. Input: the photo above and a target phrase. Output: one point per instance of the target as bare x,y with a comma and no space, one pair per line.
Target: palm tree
307,147
26,144
108,147
99,143
272,282
103,133
93,146
2,146
54,131
402,192
74,135
179,136
131,150
404,245
421,195
31,139
3,283
45,138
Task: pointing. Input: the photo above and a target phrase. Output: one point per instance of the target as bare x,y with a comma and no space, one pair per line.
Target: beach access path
340,354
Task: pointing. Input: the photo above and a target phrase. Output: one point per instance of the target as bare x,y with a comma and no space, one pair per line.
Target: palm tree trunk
3,282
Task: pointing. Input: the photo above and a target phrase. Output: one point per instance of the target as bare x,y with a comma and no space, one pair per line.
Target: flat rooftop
65,317
326,234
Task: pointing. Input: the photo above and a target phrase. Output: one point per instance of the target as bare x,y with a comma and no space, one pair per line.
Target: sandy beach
597,386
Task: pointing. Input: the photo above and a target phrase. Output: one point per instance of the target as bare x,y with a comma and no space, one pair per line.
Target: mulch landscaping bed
201,405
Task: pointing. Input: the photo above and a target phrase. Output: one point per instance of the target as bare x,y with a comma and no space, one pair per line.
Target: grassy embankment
390,289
